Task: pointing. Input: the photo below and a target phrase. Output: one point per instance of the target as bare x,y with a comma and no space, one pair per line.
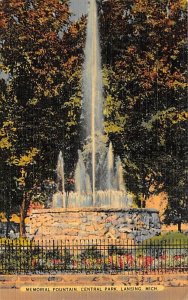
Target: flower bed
25,257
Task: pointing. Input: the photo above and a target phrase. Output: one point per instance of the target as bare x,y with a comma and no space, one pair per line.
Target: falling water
110,167
119,175
59,197
92,86
61,176
82,180
111,193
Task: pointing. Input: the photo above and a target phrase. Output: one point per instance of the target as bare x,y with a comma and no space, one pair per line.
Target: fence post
181,268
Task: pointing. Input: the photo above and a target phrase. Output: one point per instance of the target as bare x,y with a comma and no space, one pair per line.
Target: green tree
144,51
7,137
41,52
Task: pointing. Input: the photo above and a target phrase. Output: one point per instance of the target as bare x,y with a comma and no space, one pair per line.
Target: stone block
124,229
112,231
99,227
123,236
103,232
110,236
99,219
103,216
89,228
111,218
83,226
121,220
84,220
108,225
71,232
92,237
122,215
131,236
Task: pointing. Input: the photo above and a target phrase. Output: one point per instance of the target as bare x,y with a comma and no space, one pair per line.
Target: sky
79,7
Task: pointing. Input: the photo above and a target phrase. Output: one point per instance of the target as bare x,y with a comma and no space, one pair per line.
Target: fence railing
92,256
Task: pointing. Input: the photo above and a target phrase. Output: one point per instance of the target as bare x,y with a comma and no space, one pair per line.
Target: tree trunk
23,216
140,203
143,202
179,226
8,226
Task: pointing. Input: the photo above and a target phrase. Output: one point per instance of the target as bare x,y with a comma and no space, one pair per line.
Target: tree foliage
42,53
144,53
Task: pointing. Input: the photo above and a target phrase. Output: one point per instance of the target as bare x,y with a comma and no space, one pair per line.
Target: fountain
100,183
99,206
109,190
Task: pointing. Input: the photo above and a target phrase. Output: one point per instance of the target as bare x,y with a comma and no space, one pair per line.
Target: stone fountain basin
93,223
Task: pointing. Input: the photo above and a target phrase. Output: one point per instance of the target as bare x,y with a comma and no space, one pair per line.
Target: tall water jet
92,86
61,176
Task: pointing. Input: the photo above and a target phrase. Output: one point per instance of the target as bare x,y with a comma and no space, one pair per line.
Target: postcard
93,148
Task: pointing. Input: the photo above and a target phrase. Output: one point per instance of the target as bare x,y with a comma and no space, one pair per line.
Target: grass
176,238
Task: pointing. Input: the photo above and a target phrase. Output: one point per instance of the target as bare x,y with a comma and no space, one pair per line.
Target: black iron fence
92,256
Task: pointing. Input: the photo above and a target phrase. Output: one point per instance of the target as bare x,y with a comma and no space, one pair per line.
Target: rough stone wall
94,223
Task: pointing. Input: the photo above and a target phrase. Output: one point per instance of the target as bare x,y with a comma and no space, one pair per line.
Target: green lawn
169,238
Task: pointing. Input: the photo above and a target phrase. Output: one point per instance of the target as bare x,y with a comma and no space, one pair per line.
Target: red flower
75,263
34,262
110,259
99,260
148,260
164,257
177,257
129,259
120,261
56,261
